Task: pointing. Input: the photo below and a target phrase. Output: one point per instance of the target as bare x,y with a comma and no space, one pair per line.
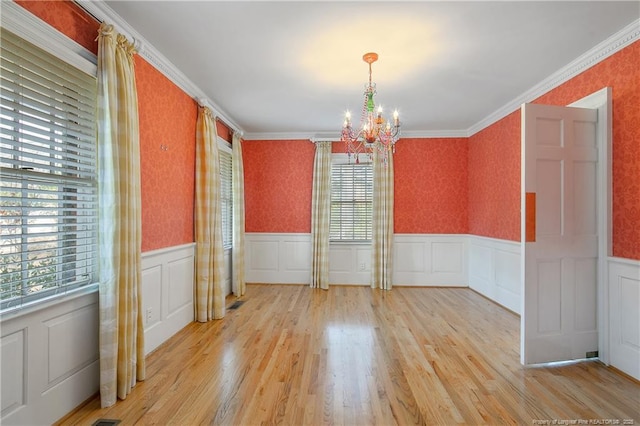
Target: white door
560,234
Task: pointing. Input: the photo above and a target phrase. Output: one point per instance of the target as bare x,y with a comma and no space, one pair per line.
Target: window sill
48,302
350,243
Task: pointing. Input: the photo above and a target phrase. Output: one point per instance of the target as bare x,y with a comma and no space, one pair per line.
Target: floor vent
236,304
105,422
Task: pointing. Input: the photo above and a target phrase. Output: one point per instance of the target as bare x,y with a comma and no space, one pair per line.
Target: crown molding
270,136
335,136
598,53
23,23
102,12
417,134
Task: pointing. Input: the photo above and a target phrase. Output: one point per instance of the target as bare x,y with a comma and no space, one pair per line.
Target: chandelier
374,133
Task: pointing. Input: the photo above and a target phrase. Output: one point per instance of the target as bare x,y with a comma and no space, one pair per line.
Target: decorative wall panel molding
49,358
624,315
167,292
420,260
430,260
277,258
14,371
494,270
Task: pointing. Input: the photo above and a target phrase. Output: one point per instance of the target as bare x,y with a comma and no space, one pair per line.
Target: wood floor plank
356,356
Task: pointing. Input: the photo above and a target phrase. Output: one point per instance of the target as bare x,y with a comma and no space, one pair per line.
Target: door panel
560,263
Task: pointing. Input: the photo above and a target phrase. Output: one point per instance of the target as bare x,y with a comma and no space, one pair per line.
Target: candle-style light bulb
395,117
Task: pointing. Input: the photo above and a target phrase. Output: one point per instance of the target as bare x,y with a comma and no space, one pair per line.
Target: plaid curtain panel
320,216
122,361
382,222
208,222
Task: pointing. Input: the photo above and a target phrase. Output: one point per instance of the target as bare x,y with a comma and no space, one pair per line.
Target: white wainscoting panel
62,332
49,358
420,260
349,264
167,292
14,371
277,258
494,270
430,260
624,315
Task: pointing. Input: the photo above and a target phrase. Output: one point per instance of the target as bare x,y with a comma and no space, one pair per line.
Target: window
226,197
351,201
48,189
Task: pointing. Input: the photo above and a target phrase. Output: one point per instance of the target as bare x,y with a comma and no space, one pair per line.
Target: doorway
565,230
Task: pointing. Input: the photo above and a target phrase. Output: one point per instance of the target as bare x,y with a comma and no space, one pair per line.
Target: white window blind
226,198
48,189
351,202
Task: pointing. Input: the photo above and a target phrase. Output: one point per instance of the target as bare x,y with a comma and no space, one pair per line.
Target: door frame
600,101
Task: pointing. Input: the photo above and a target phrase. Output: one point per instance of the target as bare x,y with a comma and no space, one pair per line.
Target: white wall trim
324,136
102,12
168,250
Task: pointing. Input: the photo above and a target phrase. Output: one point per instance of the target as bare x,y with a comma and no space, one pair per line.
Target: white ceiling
293,68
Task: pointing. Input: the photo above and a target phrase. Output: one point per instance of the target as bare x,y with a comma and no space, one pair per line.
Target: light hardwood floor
352,355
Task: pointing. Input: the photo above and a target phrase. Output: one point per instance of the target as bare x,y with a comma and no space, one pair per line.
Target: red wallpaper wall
431,186
494,180
167,117
223,131
277,178
494,156
68,18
